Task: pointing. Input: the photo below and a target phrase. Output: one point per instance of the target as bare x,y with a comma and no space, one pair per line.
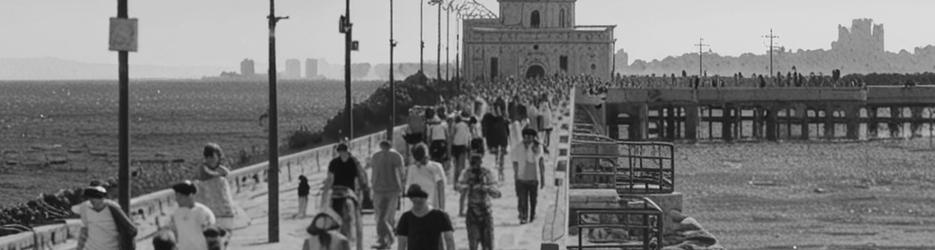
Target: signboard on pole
123,34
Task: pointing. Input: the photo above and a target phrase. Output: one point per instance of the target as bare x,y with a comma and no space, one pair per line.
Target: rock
820,190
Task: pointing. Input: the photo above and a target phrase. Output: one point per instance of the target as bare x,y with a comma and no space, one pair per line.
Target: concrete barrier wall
901,95
151,211
555,228
721,95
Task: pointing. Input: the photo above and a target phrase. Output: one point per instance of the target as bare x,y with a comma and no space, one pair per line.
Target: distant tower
864,36
247,67
311,68
878,37
293,69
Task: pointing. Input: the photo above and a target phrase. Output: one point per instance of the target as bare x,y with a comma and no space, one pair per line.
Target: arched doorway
535,71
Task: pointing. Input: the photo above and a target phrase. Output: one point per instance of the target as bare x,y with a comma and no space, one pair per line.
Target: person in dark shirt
423,227
303,196
496,130
344,175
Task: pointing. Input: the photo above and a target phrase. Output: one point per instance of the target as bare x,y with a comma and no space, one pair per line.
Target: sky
224,32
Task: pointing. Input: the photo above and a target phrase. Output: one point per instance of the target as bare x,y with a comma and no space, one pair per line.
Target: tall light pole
701,46
389,129
347,28
438,59
447,42
123,173
273,160
421,39
771,37
458,47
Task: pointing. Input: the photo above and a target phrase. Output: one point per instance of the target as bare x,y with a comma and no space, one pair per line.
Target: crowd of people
738,80
446,144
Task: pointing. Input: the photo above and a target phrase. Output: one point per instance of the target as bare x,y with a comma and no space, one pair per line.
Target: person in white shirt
529,169
428,174
190,219
439,136
104,225
459,150
545,112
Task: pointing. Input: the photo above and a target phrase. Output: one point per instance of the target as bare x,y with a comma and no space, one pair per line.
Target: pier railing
635,224
628,167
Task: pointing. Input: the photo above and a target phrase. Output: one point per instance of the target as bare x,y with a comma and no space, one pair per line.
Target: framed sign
123,34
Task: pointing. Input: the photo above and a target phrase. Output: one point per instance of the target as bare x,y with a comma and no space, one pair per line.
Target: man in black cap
529,172
423,227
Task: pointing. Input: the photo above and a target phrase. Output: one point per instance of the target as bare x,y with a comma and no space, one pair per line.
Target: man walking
479,185
344,174
496,130
423,227
529,169
387,165
190,219
429,175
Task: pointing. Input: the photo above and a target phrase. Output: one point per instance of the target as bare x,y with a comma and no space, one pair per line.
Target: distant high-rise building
311,68
293,69
247,67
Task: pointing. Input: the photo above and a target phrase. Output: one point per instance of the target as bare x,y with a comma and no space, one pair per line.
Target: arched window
534,19
561,18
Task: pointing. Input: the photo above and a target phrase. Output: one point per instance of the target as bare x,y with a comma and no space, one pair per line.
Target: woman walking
213,189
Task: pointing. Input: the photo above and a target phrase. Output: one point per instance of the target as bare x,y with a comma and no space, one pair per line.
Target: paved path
509,234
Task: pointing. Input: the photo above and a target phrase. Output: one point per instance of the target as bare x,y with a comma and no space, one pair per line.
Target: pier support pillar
801,113
758,122
873,125
772,123
727,122
894,124
670,123
806,122
641,126
738,122
691,122
853,122
916,124
829,123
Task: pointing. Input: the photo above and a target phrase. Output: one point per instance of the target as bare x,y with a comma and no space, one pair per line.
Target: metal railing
629,167
635,224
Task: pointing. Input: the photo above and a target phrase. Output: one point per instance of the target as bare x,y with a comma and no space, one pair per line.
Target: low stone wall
151,211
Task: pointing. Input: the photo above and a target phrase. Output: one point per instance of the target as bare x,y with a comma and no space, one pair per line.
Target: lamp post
438,60
273,138
421,40
347,28
389,129
123,173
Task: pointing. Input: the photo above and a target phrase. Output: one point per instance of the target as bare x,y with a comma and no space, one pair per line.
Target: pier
743,114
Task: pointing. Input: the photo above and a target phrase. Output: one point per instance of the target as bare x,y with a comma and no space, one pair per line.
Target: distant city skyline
222,33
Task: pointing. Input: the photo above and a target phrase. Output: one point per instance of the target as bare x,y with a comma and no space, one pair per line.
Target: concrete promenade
509,234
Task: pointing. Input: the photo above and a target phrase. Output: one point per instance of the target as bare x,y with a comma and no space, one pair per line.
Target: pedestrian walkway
509,234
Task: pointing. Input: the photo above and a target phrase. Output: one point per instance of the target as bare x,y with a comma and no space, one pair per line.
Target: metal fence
629,167
635,224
